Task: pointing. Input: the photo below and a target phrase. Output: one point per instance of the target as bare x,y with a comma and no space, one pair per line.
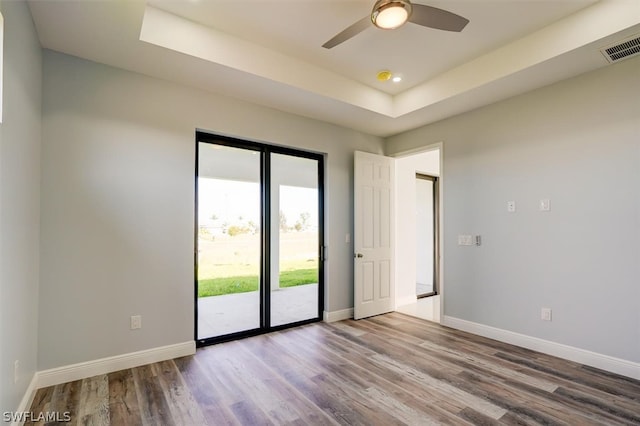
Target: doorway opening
418,251
258,238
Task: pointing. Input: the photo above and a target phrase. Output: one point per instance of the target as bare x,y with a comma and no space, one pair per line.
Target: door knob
358,255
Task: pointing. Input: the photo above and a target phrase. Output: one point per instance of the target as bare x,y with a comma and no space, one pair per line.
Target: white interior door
373,234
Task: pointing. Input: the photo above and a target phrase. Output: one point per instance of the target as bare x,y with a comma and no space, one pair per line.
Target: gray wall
576,143
19,202
117,204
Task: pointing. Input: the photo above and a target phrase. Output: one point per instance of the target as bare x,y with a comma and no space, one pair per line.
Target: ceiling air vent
622,49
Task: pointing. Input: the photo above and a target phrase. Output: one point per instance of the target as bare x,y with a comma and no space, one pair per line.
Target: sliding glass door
294,255
229,211
258,238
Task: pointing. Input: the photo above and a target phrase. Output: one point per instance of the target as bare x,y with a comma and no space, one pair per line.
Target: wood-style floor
390,369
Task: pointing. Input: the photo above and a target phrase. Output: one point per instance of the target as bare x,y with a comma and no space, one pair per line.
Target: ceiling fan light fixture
390,14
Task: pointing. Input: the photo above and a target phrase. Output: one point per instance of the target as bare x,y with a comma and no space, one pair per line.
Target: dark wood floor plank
612,409
305,410
242,402
445,387
478,419
93,408
394,347
515,399
382,381
576,376
441,406
337,380
386,370
41,403
152,401
205,391
123,399
551,371
184,409
482,366
267,391
289,367
439,334
68,400
486,365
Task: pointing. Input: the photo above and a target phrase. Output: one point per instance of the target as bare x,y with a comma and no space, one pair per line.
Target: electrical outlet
511,206
16,369
136,322
545,314
544,205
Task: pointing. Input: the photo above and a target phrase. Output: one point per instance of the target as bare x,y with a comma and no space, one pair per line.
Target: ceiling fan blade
349,32
432,17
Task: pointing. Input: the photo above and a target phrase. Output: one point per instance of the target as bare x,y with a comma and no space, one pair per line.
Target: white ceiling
269,52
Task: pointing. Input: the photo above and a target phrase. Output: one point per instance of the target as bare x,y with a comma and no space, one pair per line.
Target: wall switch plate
465,240
16,370
347,238
136,322
545,314
545,205
511,206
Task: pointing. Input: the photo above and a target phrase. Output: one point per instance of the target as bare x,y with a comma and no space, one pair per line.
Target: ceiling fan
391,14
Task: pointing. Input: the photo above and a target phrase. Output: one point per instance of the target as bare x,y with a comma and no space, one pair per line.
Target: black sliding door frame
265,151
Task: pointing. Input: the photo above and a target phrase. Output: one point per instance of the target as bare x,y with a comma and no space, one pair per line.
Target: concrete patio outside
230,313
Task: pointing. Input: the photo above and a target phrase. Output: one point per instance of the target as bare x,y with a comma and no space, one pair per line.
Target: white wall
19,202
577,143
405,242
118,200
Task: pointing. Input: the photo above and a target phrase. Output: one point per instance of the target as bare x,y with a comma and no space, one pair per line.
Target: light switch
511,206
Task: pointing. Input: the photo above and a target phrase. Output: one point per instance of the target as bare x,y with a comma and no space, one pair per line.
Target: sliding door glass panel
424,237
295,239
229,241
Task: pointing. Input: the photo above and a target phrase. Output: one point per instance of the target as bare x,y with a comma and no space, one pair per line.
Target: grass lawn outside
245,283
231,264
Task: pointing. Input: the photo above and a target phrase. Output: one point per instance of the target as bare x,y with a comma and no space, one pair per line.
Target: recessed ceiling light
396,79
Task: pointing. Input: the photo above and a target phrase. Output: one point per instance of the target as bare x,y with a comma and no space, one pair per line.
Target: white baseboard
582,356
83,370
340,315
27,399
